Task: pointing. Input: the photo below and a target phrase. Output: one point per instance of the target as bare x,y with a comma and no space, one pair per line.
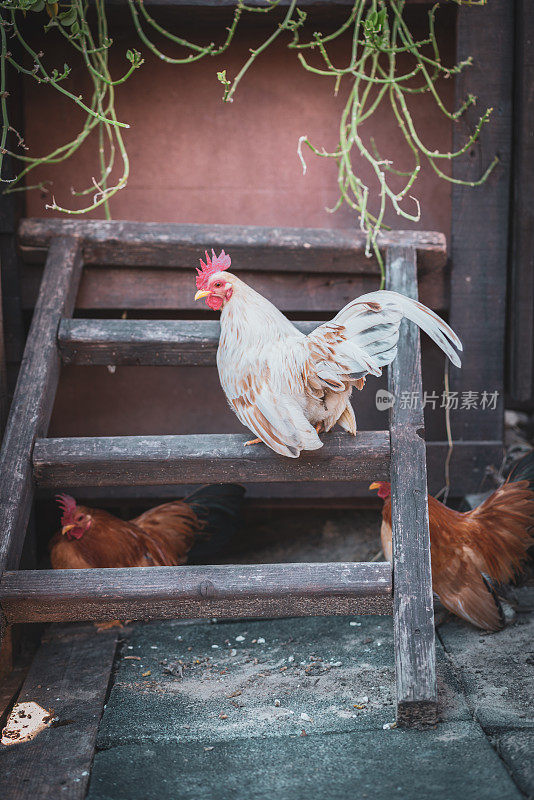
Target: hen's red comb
212,265
66,503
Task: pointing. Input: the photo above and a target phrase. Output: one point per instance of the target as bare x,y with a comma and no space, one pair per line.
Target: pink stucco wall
195,159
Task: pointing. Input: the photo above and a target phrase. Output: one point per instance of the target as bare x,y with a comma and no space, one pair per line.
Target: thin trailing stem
370,78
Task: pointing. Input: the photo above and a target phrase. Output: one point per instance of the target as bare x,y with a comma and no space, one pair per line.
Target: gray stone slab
453,762
517,750
497,671
263,678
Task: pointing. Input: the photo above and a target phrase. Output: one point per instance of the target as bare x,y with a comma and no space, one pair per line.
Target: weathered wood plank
415,656
250,590
173,290
156,342
34,395
70,675
471,459
521,306
146,244
143,342
155,460
480,216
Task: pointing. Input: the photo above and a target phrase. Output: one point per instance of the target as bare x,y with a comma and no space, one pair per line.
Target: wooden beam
171,290
69,676
236,591
521,305
167,245
34,395
471,460
156,460
155,342
413,608
479,248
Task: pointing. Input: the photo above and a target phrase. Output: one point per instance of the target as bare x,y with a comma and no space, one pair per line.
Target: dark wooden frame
28,460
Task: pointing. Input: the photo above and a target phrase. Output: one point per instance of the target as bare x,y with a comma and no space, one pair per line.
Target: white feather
281,383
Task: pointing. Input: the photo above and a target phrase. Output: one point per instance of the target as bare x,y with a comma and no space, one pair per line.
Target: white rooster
288,387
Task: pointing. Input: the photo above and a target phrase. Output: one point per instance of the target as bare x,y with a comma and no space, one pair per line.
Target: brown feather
491,540
161,536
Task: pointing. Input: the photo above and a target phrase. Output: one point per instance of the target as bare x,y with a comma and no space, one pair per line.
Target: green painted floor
300,709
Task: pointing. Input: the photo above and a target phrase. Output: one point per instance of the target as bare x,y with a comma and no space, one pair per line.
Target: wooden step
250,590
147,342
252,247
203,458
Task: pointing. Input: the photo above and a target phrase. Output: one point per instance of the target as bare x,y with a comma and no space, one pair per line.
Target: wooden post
34,395
521,306
479,232
413,610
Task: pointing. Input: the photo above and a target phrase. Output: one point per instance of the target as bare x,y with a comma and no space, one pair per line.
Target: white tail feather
438,330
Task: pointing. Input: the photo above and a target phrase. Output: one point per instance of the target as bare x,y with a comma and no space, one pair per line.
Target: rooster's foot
252,441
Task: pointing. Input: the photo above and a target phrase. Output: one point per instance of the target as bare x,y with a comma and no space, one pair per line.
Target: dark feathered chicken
162,536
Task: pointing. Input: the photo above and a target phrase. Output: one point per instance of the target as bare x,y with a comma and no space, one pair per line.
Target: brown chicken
473,552
162,536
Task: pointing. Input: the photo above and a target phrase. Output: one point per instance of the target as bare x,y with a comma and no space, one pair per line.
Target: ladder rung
202,458
250,590
252,247
149,342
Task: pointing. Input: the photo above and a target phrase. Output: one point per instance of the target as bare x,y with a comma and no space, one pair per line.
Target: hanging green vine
372,76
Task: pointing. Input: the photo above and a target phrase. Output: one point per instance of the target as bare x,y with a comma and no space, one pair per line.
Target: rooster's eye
218,285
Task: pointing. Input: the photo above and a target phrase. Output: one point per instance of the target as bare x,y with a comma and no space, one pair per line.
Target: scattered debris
235,694
355,624
277,703
146,674
233,652
261,640
388,726
133,658
303,732
240,638
25,722
223,716
208,748
306,717
174,668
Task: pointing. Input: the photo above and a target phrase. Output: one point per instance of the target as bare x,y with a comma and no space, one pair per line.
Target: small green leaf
68,17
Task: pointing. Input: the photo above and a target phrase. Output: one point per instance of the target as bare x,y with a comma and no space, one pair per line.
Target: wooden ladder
29,460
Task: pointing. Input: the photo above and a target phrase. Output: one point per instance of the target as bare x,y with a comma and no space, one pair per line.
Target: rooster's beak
200,294
67,528
375,485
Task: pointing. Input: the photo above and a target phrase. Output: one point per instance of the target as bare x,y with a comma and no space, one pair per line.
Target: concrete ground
300,708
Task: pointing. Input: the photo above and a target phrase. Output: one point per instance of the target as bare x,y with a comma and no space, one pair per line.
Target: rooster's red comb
212,265
66,503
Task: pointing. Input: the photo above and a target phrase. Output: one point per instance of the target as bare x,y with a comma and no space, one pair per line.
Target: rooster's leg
252,441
